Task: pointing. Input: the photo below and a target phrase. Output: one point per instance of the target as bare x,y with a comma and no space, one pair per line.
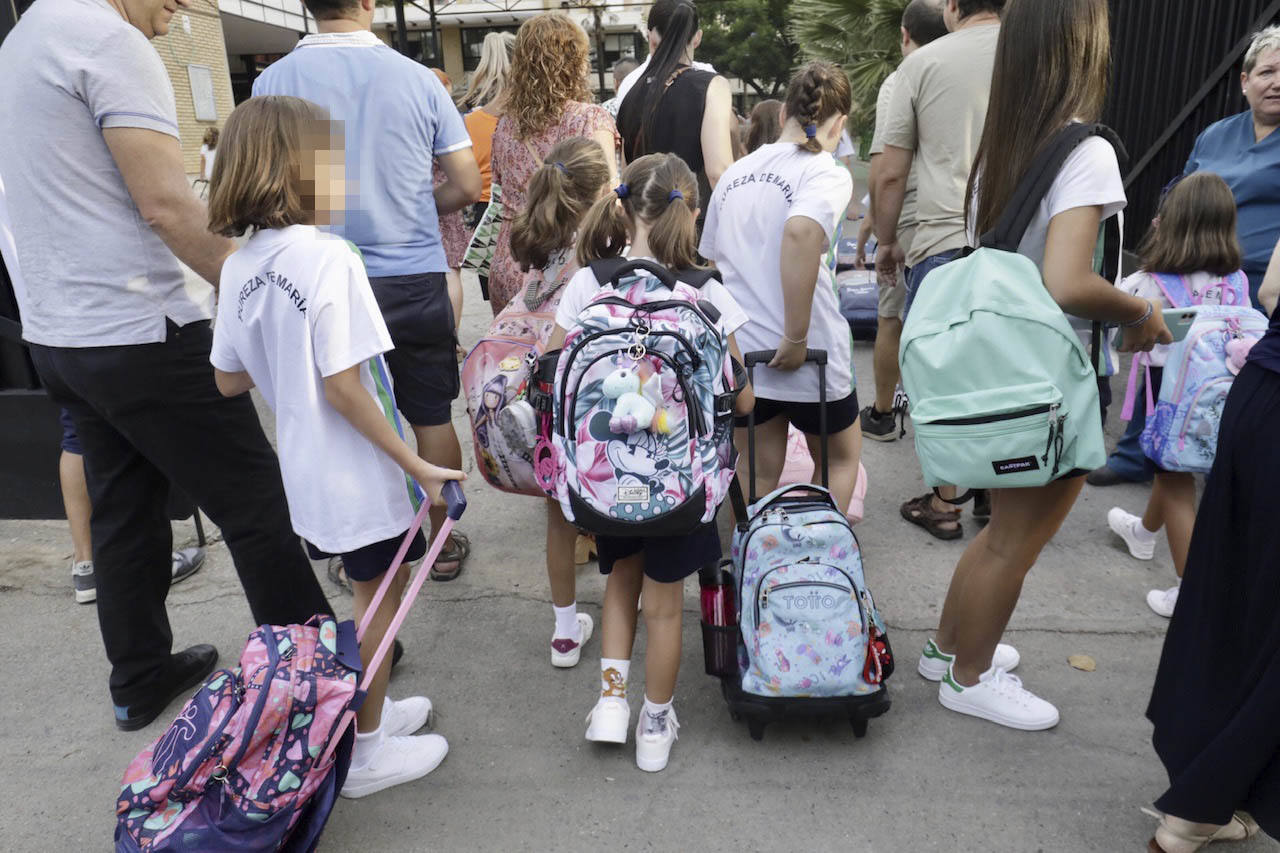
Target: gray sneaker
186,563
82,580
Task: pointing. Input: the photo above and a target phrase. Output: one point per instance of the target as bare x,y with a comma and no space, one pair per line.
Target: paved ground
521,777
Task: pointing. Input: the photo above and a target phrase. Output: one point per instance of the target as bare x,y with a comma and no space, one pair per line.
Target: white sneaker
565,652
405,716
654,738
1163,601
609,720
1000,698
398,760
934,662
1129,527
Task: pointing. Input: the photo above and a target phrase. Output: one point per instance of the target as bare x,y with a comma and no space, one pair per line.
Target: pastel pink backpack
495,382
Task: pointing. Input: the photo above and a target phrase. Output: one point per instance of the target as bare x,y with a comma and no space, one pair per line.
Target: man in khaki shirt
935,120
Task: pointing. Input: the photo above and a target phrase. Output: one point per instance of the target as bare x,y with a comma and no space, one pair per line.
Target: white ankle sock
567,627
654,712
366,745
1141,532
613,677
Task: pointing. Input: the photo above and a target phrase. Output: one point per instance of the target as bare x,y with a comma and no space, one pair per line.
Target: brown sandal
448,565
920,511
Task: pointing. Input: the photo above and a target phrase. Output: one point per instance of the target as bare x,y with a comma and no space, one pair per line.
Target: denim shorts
917,273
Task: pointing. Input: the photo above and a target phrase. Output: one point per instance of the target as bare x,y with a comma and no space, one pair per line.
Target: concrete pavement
520,776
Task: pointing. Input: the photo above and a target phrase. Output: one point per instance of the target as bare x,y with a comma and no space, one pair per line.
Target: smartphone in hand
1179,321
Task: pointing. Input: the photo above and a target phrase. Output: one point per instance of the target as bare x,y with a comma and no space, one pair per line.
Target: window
473,42
616,46
422,47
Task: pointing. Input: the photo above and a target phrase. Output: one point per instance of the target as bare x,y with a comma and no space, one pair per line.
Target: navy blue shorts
804,416
667,559
70,441
424,363
369,563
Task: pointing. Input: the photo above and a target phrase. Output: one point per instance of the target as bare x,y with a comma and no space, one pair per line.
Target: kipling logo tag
1015,466
633,494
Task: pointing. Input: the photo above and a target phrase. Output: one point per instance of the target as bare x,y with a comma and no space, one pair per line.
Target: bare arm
232,384
608,142
717,129
151,164
803,244
1071,281
868,222
746,395
465,183
345,393
1269,293
888,189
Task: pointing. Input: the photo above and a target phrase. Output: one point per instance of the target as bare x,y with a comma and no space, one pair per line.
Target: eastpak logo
1015,466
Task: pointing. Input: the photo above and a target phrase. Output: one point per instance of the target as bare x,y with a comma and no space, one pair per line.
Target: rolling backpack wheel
755,727
859,726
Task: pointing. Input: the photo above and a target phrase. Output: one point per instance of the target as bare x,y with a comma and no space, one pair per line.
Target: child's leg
1175,492
621,594
453,282
561,571
369,717
663,612
844,450
1153,517
771,455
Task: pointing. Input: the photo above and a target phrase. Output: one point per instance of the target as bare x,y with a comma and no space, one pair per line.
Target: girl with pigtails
654,211
772,223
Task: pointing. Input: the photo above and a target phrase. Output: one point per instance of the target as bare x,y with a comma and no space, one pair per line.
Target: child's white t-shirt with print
295,306
743,237
584,287
1144,285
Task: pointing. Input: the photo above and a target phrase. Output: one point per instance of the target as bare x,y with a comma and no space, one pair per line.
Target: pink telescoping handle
455,505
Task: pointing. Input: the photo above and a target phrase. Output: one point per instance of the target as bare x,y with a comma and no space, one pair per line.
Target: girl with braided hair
772,225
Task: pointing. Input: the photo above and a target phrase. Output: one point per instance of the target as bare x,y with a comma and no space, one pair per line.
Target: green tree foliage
750,40
863,36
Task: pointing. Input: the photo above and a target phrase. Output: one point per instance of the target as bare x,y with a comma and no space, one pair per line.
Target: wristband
1138,322
791,341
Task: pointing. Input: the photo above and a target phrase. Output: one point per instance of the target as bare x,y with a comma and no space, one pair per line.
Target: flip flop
920,511
448,565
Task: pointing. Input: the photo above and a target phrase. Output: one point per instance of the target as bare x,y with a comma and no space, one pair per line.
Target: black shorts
667,559
368,563
804,416
70,440
424,364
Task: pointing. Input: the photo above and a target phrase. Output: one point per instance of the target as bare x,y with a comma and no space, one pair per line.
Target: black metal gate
1176,70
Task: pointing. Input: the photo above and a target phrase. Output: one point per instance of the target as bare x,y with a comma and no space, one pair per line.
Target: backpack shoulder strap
1174,288
1038,180
696,278
609,271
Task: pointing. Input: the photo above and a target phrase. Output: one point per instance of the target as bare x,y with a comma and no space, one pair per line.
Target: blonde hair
1195,230
560,193
650,195
548,70
257,179
490,77
211,137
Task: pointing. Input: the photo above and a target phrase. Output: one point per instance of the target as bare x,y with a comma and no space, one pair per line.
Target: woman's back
676,127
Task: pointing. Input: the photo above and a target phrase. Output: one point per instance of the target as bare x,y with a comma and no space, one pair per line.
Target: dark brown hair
650,182
819,91
1051,67
257,180
560,193
1195,230
766,124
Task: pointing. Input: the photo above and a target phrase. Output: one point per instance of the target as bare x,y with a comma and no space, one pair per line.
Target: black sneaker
880,426
186,669
982,504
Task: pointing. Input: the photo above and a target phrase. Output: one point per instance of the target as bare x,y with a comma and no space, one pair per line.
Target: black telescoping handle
818,357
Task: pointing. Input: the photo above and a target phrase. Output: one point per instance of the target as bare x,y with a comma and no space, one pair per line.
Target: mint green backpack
1003,394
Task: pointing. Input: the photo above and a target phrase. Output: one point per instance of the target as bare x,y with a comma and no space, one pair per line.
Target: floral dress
513,167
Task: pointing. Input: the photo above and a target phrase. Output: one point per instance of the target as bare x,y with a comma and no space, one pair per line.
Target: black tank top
676,127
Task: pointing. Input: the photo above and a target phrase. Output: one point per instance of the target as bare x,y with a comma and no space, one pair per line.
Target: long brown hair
1195,230
548,70
650,195
560,193
766,124
817,92
257,178
1051,67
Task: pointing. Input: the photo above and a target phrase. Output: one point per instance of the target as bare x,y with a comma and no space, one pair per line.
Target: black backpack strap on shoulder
698,277
611,270
1035,184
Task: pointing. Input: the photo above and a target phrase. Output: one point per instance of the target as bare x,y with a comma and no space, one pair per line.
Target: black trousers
149,415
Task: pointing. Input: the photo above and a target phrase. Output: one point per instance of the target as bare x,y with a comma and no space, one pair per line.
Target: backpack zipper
991,419
763,597
237,695
1186,422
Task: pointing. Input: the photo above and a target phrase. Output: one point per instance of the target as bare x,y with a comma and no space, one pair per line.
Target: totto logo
808,601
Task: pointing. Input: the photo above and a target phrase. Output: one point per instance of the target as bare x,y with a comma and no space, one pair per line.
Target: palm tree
862,36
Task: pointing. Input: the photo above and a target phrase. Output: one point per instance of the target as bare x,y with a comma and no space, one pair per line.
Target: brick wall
203,46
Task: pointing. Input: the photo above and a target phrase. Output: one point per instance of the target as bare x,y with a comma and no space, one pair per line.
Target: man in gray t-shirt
93,192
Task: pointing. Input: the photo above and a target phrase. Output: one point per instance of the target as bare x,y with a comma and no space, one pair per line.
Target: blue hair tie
622,190
561,167
673,195
811,130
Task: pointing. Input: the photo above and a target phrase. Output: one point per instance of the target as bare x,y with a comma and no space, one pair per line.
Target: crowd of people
345,198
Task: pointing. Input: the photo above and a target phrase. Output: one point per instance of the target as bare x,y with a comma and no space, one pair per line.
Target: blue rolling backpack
801,635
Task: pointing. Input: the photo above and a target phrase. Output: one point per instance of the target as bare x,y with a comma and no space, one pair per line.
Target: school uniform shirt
743,237
209,155
296,307
584,286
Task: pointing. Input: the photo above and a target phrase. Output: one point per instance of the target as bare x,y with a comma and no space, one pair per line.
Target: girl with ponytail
771,227
574,174
653,210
